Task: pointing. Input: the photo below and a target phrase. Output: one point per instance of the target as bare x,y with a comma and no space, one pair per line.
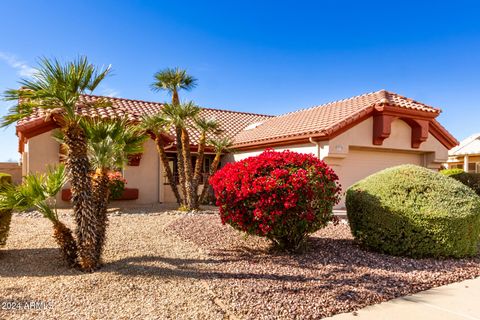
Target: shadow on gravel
188,268
40,262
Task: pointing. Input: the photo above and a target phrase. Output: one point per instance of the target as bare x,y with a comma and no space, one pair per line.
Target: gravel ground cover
169,265
148,274
335,275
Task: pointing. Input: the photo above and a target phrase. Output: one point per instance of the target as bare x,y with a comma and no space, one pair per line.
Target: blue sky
259,56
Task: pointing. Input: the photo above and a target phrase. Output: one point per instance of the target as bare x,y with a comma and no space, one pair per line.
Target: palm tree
173,80
221,146
204,126
181,116
38,191
109,142
56,88
157,125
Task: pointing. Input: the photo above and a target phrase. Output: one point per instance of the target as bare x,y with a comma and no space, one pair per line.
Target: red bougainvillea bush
283,196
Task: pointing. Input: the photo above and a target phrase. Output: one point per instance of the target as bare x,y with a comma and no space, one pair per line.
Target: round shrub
283,196
471,180
413,211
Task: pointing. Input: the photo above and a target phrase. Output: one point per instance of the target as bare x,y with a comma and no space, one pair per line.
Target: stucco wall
146,177
13,169
42,150
303,148
400,139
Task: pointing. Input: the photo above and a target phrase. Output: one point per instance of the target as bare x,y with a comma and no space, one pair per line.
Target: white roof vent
252,126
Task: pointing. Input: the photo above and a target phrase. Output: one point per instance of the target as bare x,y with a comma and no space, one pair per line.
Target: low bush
413,211
471,180
449,172
116,185
283,196
5,214
5,178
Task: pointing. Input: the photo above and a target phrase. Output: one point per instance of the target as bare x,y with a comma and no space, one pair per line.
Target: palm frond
178,115
222,144
54,180
172,79
110,142
54,85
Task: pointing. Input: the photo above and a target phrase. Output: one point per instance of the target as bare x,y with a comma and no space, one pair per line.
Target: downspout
317,144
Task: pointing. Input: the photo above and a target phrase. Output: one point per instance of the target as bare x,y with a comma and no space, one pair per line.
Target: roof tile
326,118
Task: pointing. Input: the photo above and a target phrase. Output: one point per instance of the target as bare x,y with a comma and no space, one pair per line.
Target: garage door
362,163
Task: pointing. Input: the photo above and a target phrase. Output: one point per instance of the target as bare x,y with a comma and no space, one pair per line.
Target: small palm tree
221,146
56,88
38,191
173,80
181,116
157,125
109,143
204,126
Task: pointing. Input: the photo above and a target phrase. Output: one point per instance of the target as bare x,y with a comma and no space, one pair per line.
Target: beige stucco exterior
148,177
353,155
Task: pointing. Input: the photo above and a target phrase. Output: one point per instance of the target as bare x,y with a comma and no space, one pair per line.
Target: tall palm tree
181,117
38,191
157,125
204,126
221,145
56,88
173,80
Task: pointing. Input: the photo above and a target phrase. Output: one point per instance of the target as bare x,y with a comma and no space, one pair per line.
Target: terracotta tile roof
325,119
231,122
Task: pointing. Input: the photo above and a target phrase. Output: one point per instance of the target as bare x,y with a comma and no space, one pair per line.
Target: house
466,155
356,136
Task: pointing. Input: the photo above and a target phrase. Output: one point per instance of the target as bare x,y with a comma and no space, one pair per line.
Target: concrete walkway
457,301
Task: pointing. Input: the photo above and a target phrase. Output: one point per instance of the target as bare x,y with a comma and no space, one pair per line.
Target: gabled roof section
326,120
231,122
470,145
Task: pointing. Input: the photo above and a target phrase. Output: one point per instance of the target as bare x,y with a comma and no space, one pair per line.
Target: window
172,160
472,167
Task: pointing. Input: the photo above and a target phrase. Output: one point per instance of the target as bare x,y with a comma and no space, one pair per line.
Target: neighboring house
356,136
466,155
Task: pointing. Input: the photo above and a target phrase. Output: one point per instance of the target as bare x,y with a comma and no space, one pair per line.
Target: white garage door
361,163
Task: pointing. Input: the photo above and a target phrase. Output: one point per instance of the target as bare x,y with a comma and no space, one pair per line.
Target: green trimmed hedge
451,172
471,180
5,215
413,211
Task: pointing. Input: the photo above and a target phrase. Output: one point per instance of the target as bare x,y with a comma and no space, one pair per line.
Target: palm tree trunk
163,157
181,166
187,159
5,220
198,167
68,246
213,169
81,187
101,196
